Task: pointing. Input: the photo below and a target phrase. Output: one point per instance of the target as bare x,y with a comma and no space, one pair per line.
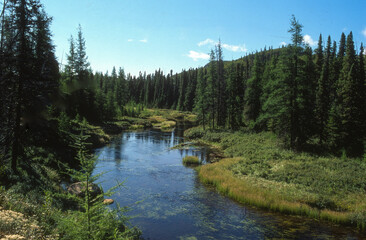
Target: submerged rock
79,188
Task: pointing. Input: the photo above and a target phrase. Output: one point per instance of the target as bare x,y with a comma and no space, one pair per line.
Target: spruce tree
323,94
254,91
349,103
29,73
269,78
221,87
235,95
306,98
201,100
293,65
211,88
319,57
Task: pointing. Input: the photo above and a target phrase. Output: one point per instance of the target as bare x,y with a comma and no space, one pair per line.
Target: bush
194,133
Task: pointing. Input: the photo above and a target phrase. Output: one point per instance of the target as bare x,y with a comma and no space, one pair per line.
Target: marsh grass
260,172
160,115
191,161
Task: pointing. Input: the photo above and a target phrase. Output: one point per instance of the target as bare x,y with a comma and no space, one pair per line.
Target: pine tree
323,94
333,73
221,87
319,57
254,91
190,90
275,109
94,220
293,66
81,60
121,88
361,103
349,103
286,101
29,72
211,88
201,101
70,68
235,90
307,98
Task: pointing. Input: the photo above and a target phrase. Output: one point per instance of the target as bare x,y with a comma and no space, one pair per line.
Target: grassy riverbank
259,172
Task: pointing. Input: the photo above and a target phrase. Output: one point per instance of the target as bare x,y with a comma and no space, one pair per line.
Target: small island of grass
191,161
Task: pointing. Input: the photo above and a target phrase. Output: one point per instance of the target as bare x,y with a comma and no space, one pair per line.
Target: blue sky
144,35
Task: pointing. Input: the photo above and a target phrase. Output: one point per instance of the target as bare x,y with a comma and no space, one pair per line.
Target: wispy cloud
143,40
207,42
198,55
283,43
130,40
308,40
233,48
364,32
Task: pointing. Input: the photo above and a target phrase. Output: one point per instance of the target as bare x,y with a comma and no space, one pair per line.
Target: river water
167,200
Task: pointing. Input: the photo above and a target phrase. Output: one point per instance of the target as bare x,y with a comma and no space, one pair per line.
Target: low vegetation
191,161
37,206
260,172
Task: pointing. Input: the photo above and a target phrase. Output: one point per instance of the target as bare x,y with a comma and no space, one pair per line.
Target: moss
136,126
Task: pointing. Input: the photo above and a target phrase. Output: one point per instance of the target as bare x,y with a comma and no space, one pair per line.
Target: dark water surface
173,204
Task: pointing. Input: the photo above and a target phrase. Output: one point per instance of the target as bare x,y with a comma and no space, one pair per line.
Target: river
167,200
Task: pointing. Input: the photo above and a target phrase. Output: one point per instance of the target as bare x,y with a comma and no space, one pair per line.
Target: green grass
260,172
160,115
191,161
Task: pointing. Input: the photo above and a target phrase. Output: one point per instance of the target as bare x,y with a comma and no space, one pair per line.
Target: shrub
93,220
194,133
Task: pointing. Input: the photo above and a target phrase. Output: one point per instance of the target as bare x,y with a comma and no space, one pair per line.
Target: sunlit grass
259,172
262,194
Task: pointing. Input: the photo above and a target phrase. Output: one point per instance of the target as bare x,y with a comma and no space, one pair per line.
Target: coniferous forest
311,99
305,96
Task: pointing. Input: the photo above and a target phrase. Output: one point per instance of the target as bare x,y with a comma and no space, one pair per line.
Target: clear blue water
167,201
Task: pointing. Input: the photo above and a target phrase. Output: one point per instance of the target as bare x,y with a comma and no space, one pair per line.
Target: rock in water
108,201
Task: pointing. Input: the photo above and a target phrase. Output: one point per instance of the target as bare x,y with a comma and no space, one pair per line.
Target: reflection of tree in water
118,151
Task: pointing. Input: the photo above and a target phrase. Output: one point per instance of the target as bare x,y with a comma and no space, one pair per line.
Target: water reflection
175,205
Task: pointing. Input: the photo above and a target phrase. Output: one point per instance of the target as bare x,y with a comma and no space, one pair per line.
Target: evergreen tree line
304,95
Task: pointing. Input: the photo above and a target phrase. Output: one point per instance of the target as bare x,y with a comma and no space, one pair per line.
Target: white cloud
364,51
130,40
283,43
207,42
364,32
143,40
233,48
197,55
308,40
